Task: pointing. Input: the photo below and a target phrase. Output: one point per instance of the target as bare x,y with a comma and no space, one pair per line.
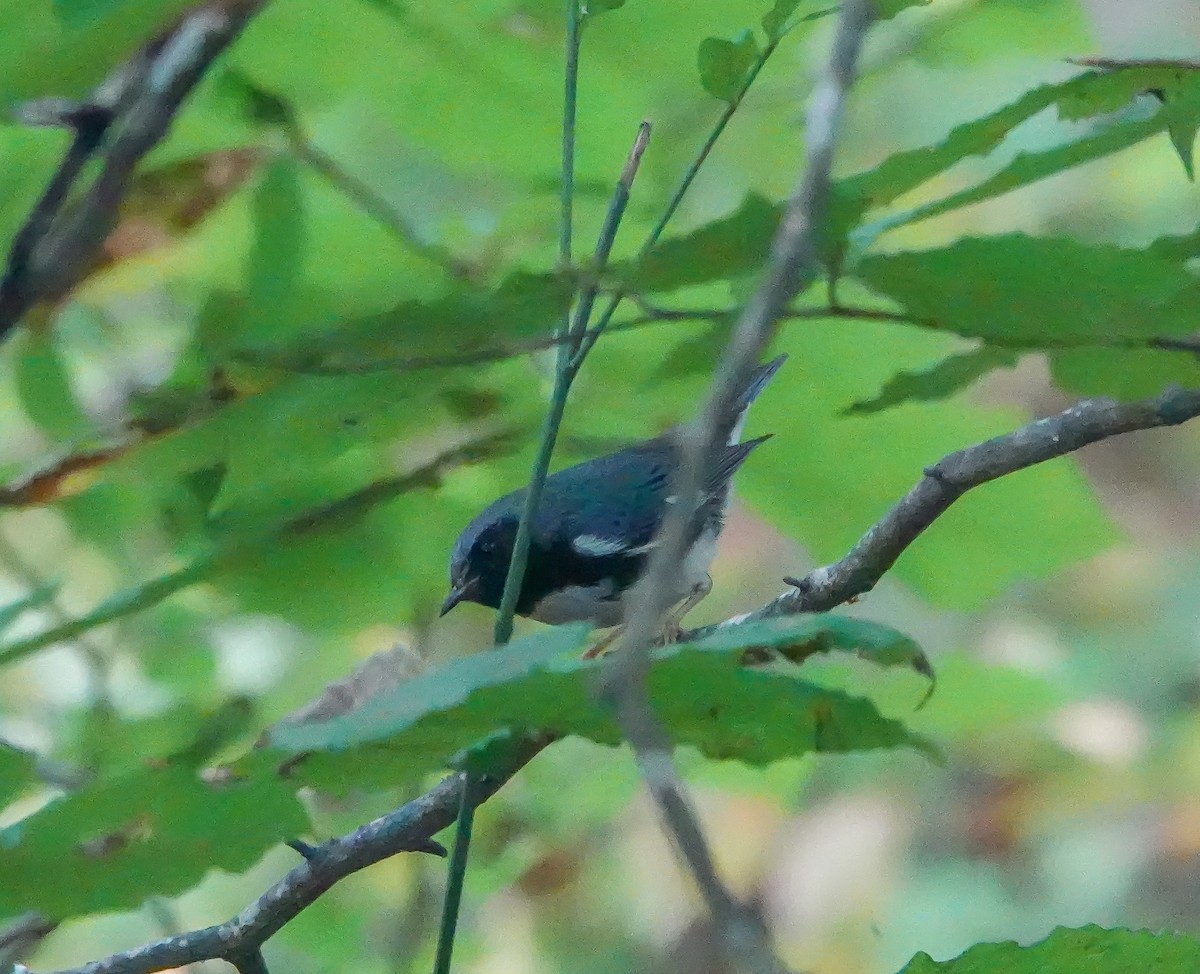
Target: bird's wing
612,505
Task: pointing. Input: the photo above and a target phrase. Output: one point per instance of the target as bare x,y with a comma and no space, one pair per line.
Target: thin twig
570,358
794,264
685,184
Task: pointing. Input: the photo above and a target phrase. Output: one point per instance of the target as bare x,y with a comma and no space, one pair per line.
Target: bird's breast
599,603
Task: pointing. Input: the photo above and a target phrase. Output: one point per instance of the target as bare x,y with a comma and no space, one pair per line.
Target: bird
596,524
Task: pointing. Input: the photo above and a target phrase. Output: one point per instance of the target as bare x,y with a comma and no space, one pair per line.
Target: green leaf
45,387
703,693
16,773
1031,292
63,47
594,8
1092,949
727,248
952,374
1085,96
798,638
1125,374
154,832
887,9
774,22
725,65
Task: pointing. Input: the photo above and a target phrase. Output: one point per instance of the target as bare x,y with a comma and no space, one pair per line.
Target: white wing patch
592,544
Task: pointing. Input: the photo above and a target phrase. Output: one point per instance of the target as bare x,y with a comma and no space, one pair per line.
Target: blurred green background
1061,607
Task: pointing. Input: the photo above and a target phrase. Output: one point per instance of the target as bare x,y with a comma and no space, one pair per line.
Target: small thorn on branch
309,852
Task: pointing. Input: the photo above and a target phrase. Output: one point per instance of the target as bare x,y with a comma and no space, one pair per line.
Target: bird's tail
756,384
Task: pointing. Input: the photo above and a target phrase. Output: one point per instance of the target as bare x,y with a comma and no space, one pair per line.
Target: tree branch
126,116
795,263
1086,422
408,829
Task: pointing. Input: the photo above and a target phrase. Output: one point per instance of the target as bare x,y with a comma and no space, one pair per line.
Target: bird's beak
457,594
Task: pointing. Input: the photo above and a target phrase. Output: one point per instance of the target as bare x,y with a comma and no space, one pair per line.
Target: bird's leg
671,630
603,642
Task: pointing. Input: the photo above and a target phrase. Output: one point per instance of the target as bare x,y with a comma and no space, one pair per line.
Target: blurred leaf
593,8
702,692
17,769
35,599
887,9
45,387
63,47
1092,949
725,65
950,375
774,22
726,248
1035,292
97,850
1085,96
1125,374
972,33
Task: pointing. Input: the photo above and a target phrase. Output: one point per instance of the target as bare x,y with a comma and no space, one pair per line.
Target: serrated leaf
941,380
702,692
96,850
798,638
725,65
1036,292
1092,949
726,248
1085,96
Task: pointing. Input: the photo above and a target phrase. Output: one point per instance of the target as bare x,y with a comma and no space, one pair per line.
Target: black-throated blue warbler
595,526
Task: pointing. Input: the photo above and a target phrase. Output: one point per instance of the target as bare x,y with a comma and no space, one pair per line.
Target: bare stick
794,264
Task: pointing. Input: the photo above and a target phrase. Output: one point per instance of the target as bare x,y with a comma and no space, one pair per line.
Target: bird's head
479,562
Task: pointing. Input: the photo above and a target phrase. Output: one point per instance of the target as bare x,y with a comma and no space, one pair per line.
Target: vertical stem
563,376
562,372
570,88
456,877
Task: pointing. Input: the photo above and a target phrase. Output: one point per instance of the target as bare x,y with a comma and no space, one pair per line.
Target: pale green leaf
725,65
